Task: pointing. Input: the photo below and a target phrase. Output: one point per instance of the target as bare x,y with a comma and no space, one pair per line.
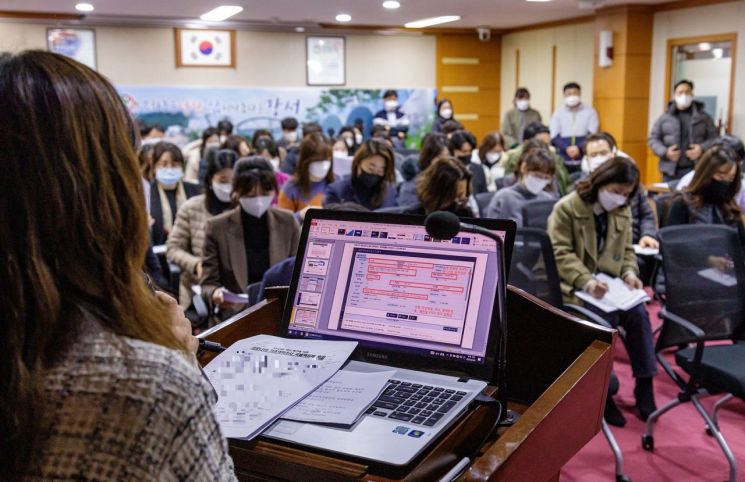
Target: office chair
533,269
505,181
536,213
483,199
702,305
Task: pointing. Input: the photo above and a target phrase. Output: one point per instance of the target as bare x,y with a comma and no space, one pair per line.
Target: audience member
443,186
266,148
242,243
168,191
237,144
535,175
461,145
196,151
391,116
289,138
681,135
537,136
224,129
490,153
448,127
372,183
591,230
186,242
314,174
154,134
571,124
289,164
444,113
346,134
434,146
518,118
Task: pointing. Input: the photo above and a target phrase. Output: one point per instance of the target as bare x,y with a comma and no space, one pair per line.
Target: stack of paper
645,251
717,276
618,297
259,378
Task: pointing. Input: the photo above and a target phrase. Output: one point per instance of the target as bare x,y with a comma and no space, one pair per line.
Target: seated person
443,186
308,187
391,116
434,146
242,243
289,138
196,150
538,133
347,136
590,230
267,148
490,153
711,197
289,162
168,191
443,114
535,174
451,126
461,145
238,144
372,182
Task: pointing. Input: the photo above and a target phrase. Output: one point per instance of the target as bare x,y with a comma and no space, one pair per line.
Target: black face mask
369,180
717,192
465,159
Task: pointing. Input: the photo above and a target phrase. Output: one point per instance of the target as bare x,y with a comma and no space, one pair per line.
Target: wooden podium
558,372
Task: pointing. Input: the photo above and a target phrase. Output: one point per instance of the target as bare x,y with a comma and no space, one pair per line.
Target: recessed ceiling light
300,29
221,13
195,26
717,53
391,4
343,17
428,22
84,7
704,46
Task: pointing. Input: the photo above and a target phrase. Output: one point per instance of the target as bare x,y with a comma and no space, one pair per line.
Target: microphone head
442,225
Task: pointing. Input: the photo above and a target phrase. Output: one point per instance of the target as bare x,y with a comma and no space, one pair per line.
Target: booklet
618,297
717,276
257,379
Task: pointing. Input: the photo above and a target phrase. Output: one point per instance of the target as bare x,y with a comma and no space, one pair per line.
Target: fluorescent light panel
84,7
343,17
391,4
428,22
221,13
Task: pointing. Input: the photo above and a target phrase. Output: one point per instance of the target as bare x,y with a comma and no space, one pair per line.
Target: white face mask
223,191
390,105
290,136
596,161
319,169
493,157
256,206
611,200
683,101
358,138
535,184
275,163
572,100
223,139
522,104
349,141
446,113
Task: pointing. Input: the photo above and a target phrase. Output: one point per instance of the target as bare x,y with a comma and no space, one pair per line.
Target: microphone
444,225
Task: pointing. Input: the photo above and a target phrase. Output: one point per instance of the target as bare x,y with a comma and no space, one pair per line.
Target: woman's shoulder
194,204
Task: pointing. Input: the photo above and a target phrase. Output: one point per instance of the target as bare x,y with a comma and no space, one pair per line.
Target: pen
210,345
456,470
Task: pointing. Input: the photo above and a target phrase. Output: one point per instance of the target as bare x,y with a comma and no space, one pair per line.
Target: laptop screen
392,287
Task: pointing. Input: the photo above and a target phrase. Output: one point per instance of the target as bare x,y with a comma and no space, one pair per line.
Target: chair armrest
591,316
683,323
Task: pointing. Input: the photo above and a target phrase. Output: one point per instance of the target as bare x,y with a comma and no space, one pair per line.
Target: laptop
422,306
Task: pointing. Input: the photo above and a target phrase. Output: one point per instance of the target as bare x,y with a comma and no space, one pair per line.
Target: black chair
703,304
536,213
483,199
505,181
533,269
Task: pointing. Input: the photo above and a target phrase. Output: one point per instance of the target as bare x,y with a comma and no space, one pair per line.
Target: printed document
645,251
342,399
259,378
618,297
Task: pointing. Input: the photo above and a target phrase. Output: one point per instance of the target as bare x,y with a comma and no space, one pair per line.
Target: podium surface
558,372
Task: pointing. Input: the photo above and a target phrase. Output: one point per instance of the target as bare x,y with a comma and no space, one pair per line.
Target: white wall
691,22
574,62
147,56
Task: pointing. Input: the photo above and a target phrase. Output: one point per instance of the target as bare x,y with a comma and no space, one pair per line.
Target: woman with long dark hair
97,374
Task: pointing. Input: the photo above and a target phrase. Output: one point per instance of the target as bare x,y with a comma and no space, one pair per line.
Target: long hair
620,170
489,142
712,160
217,160
314,147
437,186
432,146
73,235
375,147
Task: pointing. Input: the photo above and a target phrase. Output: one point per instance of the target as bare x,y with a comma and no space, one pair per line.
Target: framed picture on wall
76,43
205,48
325,61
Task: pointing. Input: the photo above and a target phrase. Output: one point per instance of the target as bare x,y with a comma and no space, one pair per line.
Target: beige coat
571,228
185,245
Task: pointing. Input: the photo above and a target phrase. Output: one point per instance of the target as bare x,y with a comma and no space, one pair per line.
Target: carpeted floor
683,451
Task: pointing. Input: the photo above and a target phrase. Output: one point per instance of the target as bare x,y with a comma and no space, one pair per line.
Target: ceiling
498,14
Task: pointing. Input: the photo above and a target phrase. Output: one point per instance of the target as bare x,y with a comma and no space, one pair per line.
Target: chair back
704,281
533,267
483,199
536,213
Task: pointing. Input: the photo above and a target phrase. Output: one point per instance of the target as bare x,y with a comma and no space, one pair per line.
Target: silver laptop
422,306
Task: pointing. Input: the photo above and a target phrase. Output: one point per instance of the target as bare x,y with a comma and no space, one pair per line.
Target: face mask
717,192
319,169
223,191
572,100
460,208
169,176
535,184
493,157
223,139
274,163
390,105
256,206
466,159
290,136
597,161
349,141
358,138
522,104
446,113
610,200
683,101
369,180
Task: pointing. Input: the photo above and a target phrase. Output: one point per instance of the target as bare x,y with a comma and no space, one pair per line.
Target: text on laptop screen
392,287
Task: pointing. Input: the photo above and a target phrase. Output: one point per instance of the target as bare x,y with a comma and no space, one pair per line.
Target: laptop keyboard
415,403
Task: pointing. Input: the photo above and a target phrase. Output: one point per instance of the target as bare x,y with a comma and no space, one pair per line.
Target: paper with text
618,297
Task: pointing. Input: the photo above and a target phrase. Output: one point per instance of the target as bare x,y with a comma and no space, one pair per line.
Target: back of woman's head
266,143
437,187
619,170
233,142
459,139
74,230
432,147
705,188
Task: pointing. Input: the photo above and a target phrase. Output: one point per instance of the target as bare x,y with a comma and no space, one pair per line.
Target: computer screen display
393,287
